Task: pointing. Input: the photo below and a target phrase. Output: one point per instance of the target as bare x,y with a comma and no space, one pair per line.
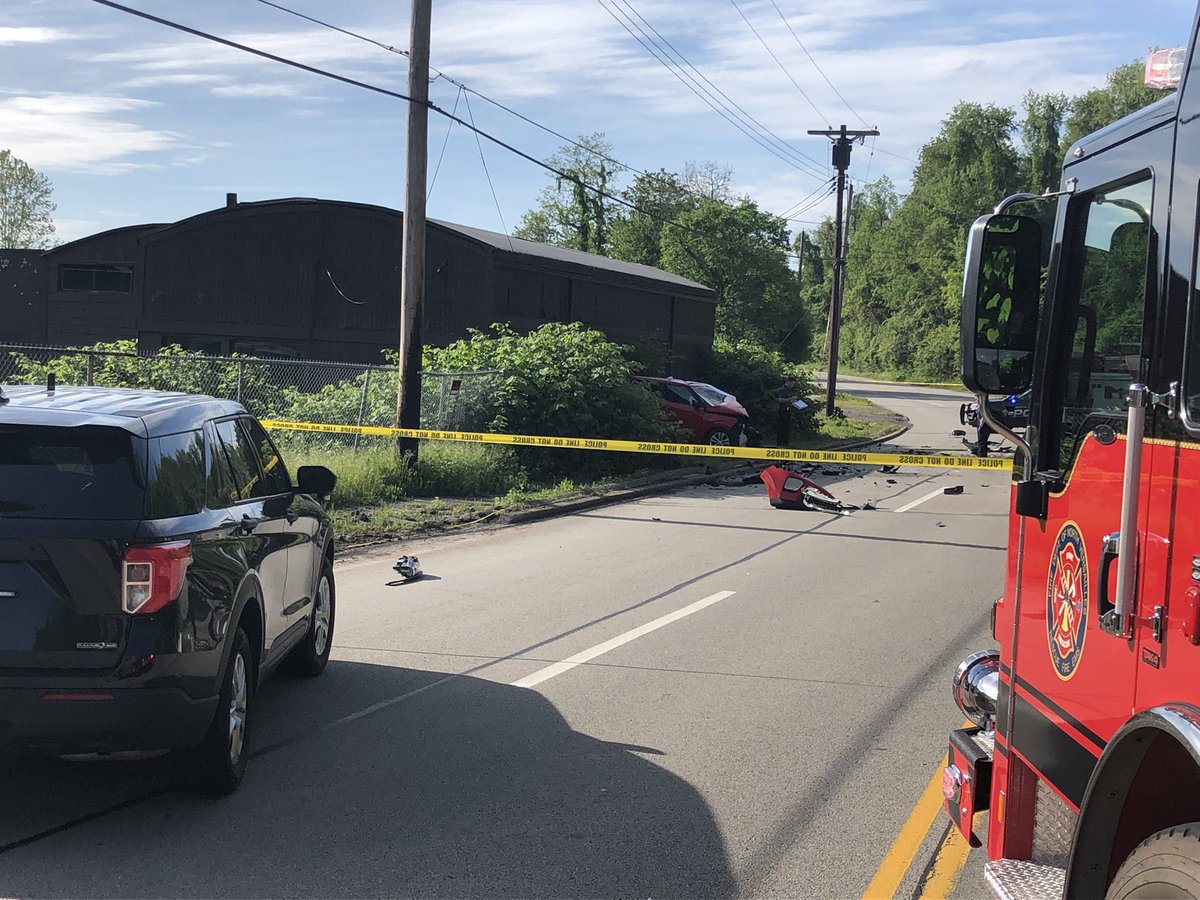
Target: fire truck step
1020,879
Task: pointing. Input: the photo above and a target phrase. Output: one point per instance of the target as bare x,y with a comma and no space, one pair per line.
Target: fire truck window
1109,290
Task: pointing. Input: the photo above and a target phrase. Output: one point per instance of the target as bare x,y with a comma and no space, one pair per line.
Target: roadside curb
574,506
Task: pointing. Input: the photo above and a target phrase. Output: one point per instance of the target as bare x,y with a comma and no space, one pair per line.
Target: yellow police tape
850,457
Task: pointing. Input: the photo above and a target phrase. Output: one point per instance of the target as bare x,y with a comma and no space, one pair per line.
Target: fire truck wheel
1165,865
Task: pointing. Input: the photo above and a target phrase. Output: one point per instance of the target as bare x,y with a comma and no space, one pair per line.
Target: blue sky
136,123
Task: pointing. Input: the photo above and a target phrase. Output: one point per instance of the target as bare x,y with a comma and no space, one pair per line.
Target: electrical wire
779,63
345,31
466,88
795,159
728,100
795,207
817,67
254,51
491,186
445,141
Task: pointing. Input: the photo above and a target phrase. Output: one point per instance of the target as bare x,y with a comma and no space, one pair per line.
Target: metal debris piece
409,568
956,489
888,470
821,503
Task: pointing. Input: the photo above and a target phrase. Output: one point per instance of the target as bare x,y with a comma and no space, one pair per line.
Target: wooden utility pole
843,141
412,291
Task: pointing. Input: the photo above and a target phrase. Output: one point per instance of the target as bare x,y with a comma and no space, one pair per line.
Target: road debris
956,489
787,489
409,568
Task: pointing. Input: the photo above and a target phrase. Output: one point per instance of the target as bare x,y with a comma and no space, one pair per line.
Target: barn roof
522,247
543,255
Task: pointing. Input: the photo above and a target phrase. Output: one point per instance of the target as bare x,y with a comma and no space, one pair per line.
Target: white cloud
79,132
10,35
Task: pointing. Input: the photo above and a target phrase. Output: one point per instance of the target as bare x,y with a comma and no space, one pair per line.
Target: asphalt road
689,695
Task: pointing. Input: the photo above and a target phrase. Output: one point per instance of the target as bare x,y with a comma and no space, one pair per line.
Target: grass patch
373,474
458,484
859,420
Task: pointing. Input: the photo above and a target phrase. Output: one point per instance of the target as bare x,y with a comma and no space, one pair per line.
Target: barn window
109,279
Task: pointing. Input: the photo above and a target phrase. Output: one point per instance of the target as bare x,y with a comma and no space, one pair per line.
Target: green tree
1124,92
660,198
1041,133
741,252
905,277
574,211
25,205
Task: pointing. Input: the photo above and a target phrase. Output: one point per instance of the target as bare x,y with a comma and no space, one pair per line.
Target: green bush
753,374
562,380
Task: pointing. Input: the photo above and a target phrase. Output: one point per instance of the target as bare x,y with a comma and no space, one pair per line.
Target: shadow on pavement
469,789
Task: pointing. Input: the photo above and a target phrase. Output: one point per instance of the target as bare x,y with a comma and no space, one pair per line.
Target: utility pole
412,291
843,141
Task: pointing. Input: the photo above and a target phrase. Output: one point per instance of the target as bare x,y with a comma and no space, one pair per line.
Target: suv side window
275,478
221,491
239,455
176,483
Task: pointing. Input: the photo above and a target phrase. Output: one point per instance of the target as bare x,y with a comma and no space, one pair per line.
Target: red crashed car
709,413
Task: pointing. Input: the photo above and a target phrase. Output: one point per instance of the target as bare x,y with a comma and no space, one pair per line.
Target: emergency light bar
1164,68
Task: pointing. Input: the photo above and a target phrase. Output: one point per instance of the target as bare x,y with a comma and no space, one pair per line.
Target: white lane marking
906,507
600,649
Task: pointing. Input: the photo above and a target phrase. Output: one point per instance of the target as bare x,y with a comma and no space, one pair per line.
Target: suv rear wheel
311,655
215,767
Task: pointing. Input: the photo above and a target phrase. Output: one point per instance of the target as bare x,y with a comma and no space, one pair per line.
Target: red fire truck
1086,750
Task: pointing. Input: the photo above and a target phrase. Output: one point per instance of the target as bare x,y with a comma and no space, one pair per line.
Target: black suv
156,563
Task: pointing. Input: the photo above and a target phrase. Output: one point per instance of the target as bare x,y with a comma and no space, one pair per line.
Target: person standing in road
785,396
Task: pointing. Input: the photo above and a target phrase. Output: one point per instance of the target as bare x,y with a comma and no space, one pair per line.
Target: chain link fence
334,393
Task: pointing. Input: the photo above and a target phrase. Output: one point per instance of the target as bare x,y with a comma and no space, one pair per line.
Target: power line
726,111
915,162
491,186
445,141
815,66
779,63
254,51
795,207
731,102
345,31
467,89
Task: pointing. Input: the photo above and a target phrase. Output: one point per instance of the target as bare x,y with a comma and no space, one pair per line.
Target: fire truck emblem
1067,601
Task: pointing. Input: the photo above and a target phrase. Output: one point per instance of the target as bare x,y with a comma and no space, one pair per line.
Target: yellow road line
948,864
904,849
848,457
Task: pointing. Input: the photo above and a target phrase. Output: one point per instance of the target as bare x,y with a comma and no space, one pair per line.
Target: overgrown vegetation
904,279
904,273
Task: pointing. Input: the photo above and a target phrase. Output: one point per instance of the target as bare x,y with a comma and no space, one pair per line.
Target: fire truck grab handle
1119,620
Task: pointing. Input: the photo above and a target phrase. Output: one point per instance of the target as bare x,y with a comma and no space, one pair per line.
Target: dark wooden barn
321,279
22,297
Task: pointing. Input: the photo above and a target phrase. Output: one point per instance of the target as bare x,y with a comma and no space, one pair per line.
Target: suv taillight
151,577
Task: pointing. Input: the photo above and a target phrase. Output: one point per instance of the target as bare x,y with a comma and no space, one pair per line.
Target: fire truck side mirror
1001,304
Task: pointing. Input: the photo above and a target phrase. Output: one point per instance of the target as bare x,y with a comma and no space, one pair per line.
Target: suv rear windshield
89,472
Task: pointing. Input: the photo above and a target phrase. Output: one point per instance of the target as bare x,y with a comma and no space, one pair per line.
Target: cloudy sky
134,122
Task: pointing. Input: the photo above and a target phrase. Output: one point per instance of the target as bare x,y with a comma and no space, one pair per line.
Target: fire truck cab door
1073,683
1167,627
